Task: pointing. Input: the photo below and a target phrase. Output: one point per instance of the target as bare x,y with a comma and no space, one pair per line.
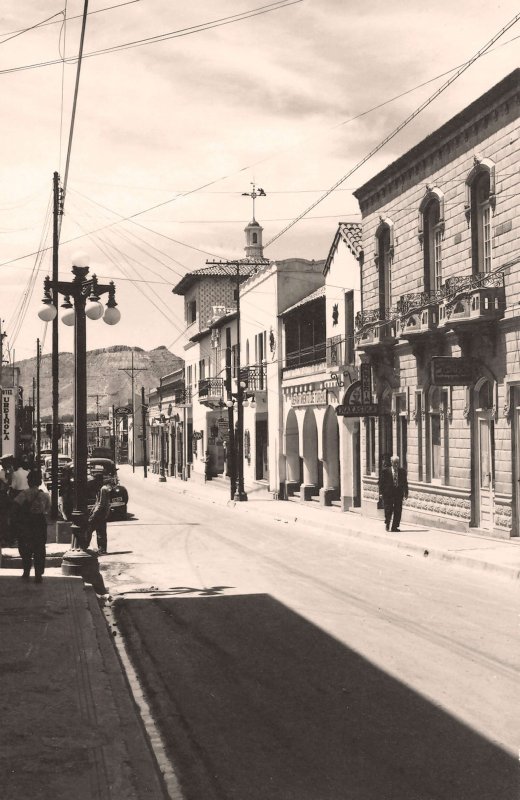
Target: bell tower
254,247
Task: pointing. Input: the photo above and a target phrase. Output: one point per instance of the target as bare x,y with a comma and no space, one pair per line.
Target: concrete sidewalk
476,551
69,726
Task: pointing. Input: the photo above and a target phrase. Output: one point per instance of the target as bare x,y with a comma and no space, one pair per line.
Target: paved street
285,662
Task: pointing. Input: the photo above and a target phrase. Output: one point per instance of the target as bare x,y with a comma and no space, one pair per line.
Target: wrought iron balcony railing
182,397
374,316
254,377
465,283
415,301
211,388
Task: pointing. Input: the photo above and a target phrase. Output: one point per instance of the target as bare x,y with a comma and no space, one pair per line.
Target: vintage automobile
118,493
63,462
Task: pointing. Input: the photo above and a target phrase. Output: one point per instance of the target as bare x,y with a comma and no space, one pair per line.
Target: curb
511,573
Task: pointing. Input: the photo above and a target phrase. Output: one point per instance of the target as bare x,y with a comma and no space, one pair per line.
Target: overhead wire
48,22
164,37
399,128
15,34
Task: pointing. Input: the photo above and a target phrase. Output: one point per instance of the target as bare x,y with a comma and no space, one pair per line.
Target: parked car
118,493
63,461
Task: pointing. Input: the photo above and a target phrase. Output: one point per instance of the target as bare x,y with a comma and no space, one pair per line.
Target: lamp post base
162,478
240,497
81,563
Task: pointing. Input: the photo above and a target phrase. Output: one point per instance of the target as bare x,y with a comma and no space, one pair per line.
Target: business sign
315,397
447,371
358,397
122,410
8,420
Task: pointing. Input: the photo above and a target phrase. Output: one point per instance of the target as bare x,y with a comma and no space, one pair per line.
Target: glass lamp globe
94,310
229,403
47,312
111,316
80,259
252,404
245,403
68,317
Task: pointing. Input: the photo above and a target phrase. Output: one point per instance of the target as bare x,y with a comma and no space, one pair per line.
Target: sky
171,133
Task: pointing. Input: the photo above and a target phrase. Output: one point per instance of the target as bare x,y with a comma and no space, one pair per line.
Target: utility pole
240,493
3,334
130,371
97,417
38,426
114,431
57,208
144,409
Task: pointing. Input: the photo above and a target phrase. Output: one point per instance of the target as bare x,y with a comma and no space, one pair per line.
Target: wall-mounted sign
315,397
447,371
121,410
8,420
358,397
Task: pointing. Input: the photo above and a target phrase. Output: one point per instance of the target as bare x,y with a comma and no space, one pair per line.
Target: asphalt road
287,663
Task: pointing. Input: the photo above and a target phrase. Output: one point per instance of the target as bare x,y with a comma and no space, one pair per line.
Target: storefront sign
358,397
447,371
316,397
8,420
121,410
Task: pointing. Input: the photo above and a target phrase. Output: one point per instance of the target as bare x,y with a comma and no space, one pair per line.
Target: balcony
470,299
211,391
340,351
182,397
254,377
418,314
375,329
305,356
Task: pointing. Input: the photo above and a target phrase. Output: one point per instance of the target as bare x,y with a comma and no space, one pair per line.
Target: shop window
434,436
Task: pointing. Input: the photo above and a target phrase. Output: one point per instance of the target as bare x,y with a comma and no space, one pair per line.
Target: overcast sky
265,99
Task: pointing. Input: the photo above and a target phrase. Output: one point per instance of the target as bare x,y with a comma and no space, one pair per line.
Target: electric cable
400,127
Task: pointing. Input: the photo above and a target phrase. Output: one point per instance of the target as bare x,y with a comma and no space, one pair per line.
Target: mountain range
109,380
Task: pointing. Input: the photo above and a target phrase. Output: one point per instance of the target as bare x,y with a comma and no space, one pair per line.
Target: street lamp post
79,561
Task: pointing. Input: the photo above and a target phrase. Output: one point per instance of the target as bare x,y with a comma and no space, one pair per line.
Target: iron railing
254,377
182,397
211,387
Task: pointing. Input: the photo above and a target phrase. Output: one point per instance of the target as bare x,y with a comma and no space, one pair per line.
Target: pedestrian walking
29,520
393,488
98,518
19,480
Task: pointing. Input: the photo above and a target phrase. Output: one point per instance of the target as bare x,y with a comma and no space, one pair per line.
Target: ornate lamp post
79,561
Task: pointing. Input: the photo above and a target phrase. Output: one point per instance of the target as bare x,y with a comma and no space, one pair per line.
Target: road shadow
255,702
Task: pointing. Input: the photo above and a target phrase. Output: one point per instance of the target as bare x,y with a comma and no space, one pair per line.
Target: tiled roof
214,271
305,300
352,235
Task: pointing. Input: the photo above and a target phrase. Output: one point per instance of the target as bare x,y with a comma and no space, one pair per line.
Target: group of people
25,505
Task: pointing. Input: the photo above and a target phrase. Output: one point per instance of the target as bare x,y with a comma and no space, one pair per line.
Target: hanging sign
122,410
358,397
8,420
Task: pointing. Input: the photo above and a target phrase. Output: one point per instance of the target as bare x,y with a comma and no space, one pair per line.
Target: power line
400,127
15,34
164,36
46,23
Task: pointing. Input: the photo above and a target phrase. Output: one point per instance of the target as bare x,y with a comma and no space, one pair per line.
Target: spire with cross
253,195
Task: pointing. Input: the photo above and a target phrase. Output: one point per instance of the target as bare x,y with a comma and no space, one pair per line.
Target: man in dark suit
393,488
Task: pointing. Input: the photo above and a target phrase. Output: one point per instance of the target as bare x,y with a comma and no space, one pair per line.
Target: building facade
439,323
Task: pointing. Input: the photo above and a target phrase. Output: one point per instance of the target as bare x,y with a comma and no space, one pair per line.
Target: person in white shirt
19,480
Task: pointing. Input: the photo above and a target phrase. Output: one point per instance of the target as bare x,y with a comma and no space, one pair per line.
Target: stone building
439,322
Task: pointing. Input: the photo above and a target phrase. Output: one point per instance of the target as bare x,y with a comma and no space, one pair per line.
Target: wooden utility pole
130,371
55,349
97,416
38,426
144,409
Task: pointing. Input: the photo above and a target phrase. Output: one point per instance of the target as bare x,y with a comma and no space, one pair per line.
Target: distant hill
108,377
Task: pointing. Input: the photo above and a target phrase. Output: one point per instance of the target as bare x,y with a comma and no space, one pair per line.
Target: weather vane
254,194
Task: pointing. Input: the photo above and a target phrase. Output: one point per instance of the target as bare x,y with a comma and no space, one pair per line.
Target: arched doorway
292,450
331,468
310,451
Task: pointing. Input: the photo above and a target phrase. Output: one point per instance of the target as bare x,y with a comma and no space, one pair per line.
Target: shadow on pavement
255,702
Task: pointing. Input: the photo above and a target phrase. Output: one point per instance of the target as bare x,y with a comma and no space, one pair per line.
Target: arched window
384,253
255,238
431,232
480,206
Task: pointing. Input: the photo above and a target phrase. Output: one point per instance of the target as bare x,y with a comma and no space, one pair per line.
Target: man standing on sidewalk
393,488
98,518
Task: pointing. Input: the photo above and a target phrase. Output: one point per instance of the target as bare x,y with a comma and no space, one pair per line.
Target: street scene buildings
260,451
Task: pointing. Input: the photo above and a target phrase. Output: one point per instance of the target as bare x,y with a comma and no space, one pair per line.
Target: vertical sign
366,384
8,421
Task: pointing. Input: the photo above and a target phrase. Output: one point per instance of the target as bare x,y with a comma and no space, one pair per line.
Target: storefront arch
310,450
331,464
292,452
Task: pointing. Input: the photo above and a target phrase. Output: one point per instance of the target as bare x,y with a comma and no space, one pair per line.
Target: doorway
262,451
